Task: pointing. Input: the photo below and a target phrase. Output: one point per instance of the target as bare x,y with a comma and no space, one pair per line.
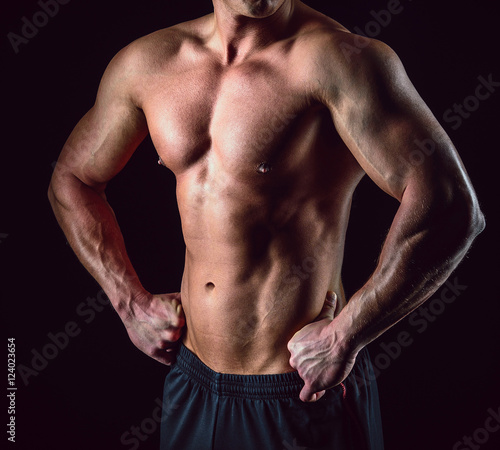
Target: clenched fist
316,355
154,324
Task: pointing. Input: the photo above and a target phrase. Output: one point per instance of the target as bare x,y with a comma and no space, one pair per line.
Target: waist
229,356
269,386
245,328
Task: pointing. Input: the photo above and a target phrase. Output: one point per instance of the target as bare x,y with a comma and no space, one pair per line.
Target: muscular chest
242,116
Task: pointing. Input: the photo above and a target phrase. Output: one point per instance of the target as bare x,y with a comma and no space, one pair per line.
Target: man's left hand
316,356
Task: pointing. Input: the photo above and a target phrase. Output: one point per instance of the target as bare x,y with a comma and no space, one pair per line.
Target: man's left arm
403,149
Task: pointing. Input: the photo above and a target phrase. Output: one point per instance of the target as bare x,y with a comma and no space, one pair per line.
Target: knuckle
172,335
176,321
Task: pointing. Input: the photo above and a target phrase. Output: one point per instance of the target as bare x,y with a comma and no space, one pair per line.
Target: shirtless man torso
268,124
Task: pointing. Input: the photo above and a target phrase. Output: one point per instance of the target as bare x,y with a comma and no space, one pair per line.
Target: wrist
346,340
124,298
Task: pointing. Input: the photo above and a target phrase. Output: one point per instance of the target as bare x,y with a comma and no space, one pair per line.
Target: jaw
262,8
258,9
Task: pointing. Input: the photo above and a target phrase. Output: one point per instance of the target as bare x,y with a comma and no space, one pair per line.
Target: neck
236,36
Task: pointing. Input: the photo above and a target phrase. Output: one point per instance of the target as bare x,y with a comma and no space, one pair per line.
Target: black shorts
207,410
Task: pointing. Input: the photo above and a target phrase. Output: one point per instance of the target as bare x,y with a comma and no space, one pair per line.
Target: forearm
424,245
92,231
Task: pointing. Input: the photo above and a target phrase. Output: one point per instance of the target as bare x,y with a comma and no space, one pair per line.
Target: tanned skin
269,126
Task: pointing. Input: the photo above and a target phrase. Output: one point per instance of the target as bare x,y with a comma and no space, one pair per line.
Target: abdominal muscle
242,306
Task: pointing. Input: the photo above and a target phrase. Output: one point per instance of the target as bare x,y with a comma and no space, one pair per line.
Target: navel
264,168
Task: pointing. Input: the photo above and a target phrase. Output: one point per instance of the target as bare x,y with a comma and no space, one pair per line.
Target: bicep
106,137
102,143
390,130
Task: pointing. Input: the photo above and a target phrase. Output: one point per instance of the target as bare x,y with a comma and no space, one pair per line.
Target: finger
319,395
164,357
175,301
329,306
171,335
176,317
308,394
313,397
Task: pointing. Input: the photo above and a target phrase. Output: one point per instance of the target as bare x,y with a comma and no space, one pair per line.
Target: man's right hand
154,324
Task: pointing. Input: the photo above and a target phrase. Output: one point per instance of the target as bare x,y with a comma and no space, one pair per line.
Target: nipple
264,168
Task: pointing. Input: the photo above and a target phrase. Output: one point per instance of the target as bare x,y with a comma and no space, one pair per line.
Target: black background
436,391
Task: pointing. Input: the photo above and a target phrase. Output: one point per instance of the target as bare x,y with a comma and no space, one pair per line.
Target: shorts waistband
265,387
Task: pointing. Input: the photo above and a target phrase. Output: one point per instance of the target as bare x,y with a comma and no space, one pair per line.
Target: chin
261,9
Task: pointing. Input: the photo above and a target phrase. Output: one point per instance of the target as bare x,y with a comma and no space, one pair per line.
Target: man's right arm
97,149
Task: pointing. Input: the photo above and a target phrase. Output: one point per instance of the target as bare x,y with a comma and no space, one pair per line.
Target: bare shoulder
154,50
356,56
148,56
340,63
329,54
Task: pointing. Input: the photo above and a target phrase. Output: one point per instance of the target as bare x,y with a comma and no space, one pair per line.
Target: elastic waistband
275,386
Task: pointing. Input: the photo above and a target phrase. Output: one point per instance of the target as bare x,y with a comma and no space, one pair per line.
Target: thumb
309,395
328,307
